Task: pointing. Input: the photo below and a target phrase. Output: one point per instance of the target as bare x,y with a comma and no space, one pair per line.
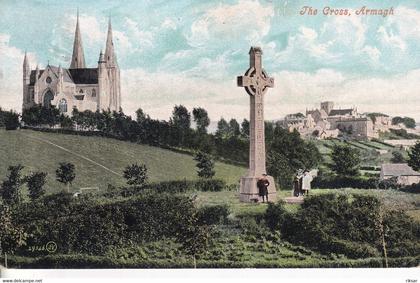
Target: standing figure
296,186
300,176
262,185
306,182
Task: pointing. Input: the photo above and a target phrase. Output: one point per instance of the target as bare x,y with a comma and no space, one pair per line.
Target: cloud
246,20
93,31
158,92
11,59
395,95
338,40
139,36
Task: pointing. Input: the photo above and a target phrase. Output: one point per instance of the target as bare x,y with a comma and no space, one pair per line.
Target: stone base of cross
248,191
256,82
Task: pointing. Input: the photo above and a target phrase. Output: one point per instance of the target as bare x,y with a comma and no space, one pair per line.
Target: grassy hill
99,161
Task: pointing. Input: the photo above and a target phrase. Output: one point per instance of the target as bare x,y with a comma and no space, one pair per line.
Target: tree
66,122
222,128
181,118
135,174
201,118
36,182
11,120
10,187
279,167
65,174
299,154
414,157
141,116
49,115
205,165
193,237
397,157
245,128
407,121
234,128
346,160
11,236
32,116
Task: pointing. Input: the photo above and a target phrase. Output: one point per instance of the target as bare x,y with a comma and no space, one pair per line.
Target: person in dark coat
296,186
262,185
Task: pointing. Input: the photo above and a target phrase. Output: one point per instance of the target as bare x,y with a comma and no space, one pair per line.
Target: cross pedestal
256,82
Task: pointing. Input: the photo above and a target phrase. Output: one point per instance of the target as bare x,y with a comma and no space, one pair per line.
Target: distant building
78,86
327,122
405,174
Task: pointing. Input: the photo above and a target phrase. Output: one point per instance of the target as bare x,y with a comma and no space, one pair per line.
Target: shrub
345,224
11,120
215,214
91,227
212,185
414,189
276,215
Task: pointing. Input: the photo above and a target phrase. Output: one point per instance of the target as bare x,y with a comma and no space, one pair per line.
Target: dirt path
75,154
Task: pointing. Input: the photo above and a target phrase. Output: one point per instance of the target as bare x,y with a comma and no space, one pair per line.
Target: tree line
286,151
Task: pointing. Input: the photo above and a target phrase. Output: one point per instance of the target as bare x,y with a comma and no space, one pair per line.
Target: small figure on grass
306,182
262,185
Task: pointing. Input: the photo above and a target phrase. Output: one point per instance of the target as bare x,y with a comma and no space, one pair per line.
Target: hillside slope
99,161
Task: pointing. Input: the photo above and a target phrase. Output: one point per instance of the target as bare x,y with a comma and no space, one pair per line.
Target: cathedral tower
113,72
26,80
78,58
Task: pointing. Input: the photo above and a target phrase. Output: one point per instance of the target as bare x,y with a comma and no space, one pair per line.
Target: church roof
77,76
84,76
339,112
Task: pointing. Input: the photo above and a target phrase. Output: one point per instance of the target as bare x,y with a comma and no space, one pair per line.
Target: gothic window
81,91
48,97
32,96
62,106
48,80
93,93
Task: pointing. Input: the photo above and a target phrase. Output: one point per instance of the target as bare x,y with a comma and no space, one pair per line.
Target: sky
190,52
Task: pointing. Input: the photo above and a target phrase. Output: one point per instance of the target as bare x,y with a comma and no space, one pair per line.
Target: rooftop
398,169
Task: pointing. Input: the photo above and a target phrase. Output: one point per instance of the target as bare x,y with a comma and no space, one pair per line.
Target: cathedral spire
78,58
25,60
110,56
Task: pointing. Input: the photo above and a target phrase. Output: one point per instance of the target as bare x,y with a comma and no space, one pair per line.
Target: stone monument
256,82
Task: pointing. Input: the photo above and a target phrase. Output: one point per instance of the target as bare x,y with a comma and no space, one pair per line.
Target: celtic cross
256,82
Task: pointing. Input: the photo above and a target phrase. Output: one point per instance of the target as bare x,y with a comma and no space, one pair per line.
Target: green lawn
33,150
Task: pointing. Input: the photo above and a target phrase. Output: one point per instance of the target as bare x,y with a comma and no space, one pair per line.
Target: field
369,150
99,161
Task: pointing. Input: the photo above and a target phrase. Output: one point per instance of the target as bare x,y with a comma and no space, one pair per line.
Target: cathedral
78,86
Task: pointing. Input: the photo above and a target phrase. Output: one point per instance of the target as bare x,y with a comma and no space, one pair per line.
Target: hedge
344,182
87,261
414,189
210,185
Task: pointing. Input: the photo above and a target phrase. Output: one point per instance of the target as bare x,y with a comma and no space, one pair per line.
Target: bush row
414,189
370,168
86,226
86,261
345,224
182,186
335,182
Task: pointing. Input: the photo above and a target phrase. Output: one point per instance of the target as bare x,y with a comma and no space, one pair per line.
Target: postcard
195,135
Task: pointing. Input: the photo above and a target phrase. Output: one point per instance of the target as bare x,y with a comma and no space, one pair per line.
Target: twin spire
78,58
